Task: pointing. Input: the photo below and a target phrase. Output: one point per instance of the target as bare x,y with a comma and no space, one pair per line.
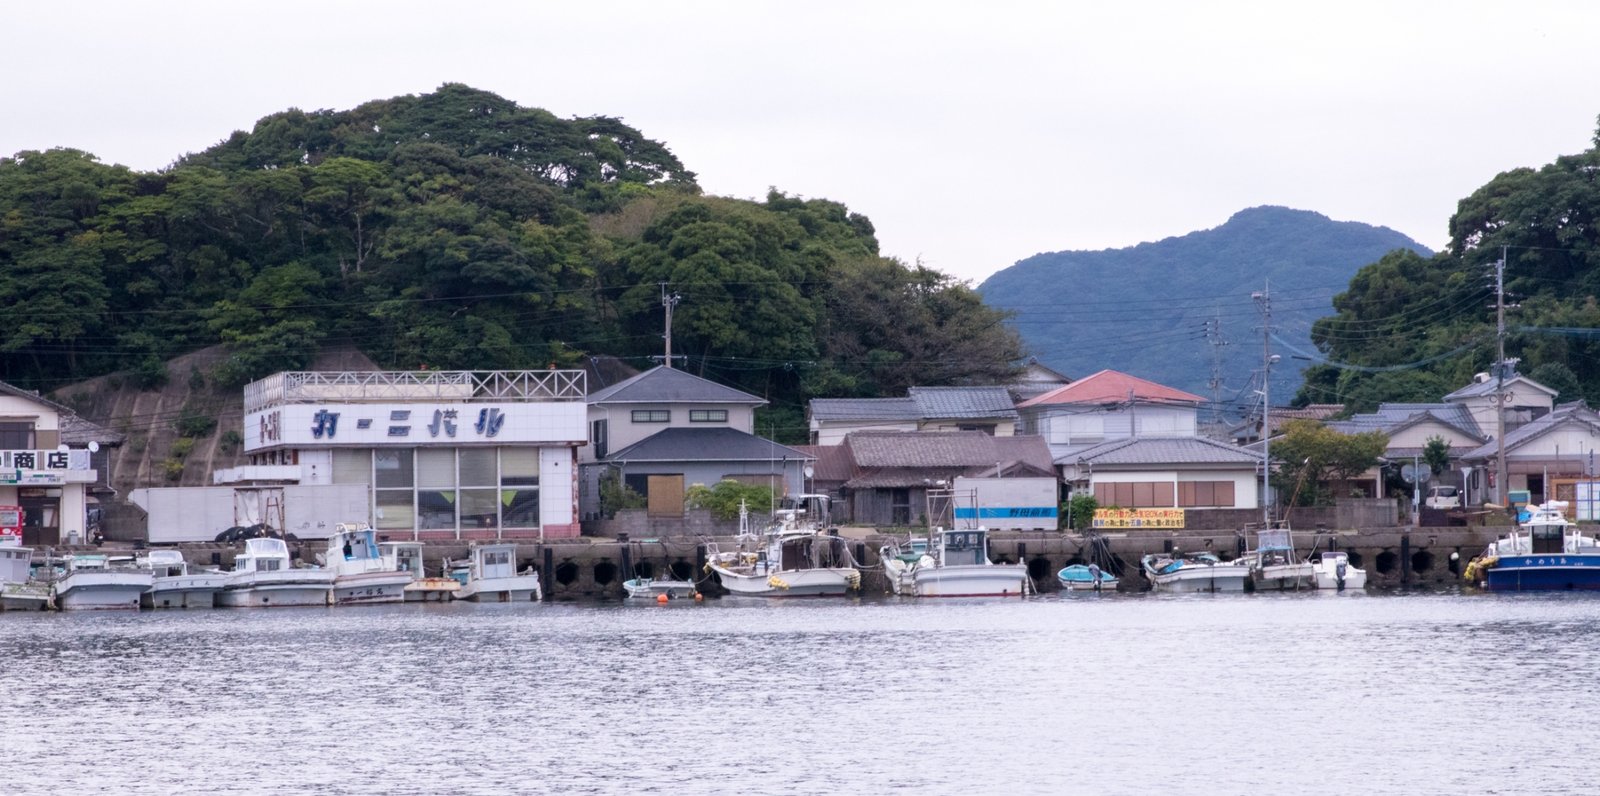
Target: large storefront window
395,497
352,466
519,487
436,488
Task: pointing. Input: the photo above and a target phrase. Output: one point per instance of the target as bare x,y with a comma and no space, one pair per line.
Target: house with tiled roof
1547,457
986,409
666,429
1186,472
1011,480
1108,406
50,467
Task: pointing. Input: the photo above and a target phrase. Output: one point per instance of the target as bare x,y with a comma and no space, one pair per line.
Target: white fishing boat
263,577
792,558
1333,571
174,585
655,588
407,557
361,573
1274,564
18,590
1194,572
954,563
91,583
491,576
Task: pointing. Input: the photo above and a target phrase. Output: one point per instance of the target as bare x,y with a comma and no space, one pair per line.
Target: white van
1444,497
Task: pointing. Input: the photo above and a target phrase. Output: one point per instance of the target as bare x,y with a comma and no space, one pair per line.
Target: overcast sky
973,134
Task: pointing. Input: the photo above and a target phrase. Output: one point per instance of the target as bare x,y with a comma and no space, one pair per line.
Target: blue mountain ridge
1144,309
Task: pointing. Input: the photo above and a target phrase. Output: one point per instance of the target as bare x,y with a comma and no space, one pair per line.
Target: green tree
1436,452
724,499
1309,455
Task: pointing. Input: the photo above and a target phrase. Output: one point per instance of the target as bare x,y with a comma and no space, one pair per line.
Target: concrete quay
588,568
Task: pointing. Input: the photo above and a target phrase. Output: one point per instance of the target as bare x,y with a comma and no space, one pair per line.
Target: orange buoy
661,598
699,598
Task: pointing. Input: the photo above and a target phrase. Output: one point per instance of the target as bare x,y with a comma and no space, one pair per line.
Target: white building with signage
431,455
39,474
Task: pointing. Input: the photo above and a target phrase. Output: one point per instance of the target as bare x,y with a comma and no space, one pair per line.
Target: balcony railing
299,387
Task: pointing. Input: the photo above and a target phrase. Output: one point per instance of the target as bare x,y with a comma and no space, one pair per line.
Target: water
1135,694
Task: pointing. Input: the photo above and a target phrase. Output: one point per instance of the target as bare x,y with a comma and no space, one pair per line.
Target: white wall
1244,483
834,432
996,497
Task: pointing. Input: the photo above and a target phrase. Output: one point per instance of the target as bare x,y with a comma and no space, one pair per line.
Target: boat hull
971,580
1545,572
1284,577
1196,580
821,582
650,588
432,590
1354,580
184,591
24,597
278,589
520,588
99,590
371,587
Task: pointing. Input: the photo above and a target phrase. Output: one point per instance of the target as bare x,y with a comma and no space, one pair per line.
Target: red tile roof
1110,387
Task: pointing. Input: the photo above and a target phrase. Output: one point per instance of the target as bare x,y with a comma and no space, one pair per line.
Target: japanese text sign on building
1138,518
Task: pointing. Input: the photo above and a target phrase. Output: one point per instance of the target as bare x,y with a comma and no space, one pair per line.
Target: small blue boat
1080,577
1546,554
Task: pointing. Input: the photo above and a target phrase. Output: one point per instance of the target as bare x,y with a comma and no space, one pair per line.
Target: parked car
1444,497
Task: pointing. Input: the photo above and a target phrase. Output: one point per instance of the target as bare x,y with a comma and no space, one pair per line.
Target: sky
972,134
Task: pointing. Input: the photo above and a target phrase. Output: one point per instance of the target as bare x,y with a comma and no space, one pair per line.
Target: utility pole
1500,490
669,300
1213,329
1263,300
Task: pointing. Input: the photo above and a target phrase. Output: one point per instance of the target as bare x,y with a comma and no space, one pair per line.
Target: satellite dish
1413,474
94,447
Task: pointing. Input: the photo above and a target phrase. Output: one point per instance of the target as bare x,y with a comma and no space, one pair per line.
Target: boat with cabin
407,557
18,590
1547,553
263,576
793,557
491,575
1086,577
362,574
1187,573
951,563
1274,564
174,585
93,582
1333,571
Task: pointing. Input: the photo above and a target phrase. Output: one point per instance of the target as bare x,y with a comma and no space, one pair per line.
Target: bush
181,448
150,373
172,468
723,499
1079,511
191,423
197,380
230,441
615,496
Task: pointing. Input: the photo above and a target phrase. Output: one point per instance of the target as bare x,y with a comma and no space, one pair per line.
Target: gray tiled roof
1575,413
1163,450
705,445
1392,417
75,431
1481,388
964,402
959,449
670,385
864,409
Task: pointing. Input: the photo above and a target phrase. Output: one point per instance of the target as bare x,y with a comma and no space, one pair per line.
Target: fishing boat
1333,571
793,557
1546,554
1194,572
1274,565
263,577
361,572
174,585
18,590
491,575
91,582
952,563
407,557
1084,577
653,588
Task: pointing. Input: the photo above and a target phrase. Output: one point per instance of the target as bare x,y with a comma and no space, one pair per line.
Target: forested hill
1147,309
1413,327
457,229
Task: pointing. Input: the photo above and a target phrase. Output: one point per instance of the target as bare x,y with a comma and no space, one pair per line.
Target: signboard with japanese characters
45,468
1138,518
343,425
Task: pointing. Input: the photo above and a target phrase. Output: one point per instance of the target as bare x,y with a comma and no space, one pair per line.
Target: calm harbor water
1137,694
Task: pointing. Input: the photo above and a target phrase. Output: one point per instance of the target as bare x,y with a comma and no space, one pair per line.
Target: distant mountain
1146,309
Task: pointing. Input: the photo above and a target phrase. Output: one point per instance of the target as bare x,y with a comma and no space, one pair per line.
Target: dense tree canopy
456,229
1416,328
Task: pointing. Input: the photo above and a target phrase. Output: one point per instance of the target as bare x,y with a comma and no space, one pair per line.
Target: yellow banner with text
1138,518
